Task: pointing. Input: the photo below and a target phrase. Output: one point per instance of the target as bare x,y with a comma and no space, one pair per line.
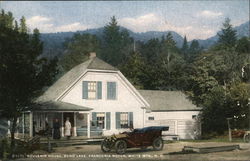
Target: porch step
60,143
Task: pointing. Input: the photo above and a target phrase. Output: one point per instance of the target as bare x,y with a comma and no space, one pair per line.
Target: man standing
67,128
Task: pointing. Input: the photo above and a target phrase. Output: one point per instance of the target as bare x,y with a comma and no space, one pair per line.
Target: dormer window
92,90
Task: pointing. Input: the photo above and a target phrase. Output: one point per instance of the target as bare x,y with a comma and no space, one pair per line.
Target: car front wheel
105,146
120,146
158,144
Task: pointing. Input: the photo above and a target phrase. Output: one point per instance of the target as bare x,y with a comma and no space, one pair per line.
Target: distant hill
53,42
242,30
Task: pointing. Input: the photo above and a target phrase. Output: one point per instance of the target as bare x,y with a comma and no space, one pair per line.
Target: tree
243,45
77,50
184,48
23,27
21,72
116,43
194,50
134,69
227,37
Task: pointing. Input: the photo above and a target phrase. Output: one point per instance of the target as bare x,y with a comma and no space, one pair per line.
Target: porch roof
58,106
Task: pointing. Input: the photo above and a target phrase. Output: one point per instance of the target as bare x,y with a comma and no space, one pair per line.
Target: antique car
137,138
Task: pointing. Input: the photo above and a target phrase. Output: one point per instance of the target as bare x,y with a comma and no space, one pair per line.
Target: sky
195,19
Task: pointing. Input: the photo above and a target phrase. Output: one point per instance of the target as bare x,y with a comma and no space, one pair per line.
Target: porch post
31,124
62,128
23,123
88,125
8,128
17,130
74,128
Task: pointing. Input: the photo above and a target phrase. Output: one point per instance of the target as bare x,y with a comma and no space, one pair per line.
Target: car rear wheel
247,138
105,146
158,144
120,146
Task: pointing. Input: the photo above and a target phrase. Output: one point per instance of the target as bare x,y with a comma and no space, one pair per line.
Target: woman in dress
56,128
67,128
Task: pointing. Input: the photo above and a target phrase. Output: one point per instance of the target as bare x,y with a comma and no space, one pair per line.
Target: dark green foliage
228,35
184,48
77,50
135,69
22,72
243,45
116,43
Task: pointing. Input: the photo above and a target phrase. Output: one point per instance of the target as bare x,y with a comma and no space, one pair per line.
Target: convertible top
153,128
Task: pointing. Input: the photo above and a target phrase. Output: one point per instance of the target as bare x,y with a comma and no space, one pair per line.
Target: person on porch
56,128
67,128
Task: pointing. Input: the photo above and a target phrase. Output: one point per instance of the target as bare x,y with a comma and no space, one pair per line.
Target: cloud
72,27
45,25
210,14
38,19
152,22
140,24
42,23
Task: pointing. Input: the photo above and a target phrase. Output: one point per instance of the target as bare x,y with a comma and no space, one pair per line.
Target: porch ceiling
58,106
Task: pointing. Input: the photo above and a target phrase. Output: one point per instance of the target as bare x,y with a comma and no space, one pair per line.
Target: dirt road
170,152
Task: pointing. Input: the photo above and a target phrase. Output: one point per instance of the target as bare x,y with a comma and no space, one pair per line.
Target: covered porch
47,113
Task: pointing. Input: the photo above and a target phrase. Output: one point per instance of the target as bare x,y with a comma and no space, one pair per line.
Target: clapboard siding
180,123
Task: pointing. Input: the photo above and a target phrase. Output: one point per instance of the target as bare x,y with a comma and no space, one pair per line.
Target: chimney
92,55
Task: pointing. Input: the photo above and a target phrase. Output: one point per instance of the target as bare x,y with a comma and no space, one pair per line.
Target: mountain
242,30
53,42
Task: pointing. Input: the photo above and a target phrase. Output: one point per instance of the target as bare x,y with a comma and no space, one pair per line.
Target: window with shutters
124,120
111,90
92,90
100,120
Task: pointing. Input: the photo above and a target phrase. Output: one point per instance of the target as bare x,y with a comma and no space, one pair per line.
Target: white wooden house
99,100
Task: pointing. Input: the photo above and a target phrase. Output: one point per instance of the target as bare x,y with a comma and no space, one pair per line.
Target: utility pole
249,112
229,129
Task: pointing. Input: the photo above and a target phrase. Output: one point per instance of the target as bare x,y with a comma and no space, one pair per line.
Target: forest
216,79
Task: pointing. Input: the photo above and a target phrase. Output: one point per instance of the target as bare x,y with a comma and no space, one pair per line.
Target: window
111,90
92,90
98,120
124,120
194,116
151,118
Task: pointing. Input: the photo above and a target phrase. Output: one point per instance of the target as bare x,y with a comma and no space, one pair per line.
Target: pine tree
23,27
117,44
227,37
184,48
171,44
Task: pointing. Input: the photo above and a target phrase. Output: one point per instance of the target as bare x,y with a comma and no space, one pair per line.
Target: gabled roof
53,92
168,100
